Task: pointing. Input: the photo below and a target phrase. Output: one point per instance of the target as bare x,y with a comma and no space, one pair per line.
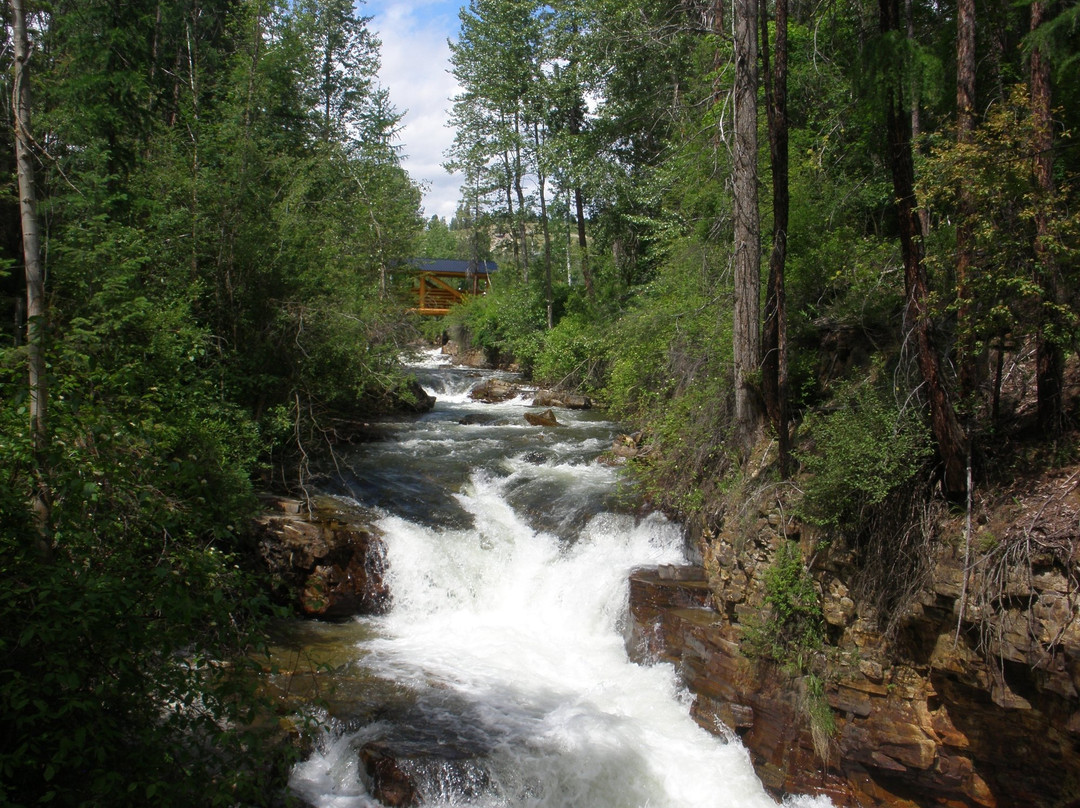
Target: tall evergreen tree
34,272
747,249
774,342
950,437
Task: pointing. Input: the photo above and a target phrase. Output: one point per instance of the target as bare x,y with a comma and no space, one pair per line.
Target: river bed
500,671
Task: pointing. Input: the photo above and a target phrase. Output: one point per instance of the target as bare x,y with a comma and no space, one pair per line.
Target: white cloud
415,70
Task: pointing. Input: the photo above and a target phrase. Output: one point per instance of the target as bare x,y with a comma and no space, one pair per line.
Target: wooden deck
441,284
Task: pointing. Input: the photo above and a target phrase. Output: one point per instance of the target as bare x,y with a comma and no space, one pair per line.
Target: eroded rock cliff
966,696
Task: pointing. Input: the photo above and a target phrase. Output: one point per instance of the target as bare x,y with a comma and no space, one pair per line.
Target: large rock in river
327,562
494,390
568,401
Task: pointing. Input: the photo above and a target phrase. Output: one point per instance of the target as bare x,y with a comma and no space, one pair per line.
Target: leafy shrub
861,451
573,355
509,320
670,372
792,626
124,673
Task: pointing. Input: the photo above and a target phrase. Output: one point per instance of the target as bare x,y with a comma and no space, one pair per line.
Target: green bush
573,355
792,627
670,373
509,320
860,452
124,672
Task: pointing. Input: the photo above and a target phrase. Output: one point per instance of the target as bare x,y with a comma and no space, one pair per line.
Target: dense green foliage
222,206
222,210
629,105
860,452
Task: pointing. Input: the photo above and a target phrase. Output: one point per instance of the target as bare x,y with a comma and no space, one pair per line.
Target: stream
500,674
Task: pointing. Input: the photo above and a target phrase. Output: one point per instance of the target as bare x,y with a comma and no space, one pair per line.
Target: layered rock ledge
926,718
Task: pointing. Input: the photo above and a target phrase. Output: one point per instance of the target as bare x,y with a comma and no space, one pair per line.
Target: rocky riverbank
323,558
970,700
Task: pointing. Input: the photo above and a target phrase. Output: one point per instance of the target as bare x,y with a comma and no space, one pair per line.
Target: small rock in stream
405,777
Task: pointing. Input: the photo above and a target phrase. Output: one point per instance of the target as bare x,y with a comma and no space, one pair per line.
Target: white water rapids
507,631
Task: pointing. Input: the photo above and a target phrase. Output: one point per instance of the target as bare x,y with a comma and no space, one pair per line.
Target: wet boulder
326,562
411,397
545,418
388,782
568,401
478,419
627,447
492,391
406,775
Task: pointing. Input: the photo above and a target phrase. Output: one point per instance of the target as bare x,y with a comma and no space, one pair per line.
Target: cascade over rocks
399,775
973,701
329,564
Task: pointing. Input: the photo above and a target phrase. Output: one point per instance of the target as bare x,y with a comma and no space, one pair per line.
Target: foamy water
510,638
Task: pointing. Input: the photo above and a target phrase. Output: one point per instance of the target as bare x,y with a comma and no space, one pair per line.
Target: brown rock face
389,783
922,721
329,564
400,774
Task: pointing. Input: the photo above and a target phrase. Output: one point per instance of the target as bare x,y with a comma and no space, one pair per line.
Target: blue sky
415,65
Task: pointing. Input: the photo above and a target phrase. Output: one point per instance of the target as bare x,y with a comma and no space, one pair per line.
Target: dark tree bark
1048,352
508,188
577,117
747,325
967,362
951,442
583,242
523,232
774,338
916,111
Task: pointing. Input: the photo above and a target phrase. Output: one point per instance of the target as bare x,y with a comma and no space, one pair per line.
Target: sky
415,70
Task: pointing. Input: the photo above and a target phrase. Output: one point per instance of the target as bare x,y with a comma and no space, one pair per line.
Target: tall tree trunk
541,178
747,326
195,133
774,340
474,236
518,171
35,274
508,188
1048,352
577,116
951,441
916,111
967,362
583,243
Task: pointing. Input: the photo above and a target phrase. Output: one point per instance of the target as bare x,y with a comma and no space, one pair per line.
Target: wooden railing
435,294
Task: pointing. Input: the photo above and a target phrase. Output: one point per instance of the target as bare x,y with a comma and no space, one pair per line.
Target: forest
837,239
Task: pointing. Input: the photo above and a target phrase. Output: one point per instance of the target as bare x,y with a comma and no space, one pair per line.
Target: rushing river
508,550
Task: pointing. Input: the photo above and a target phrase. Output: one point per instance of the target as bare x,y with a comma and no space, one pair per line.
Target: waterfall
506,632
